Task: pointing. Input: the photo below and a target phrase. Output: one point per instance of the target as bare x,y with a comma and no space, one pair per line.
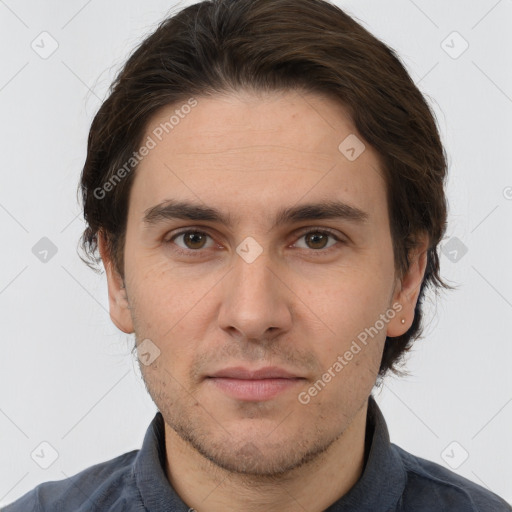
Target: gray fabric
393,480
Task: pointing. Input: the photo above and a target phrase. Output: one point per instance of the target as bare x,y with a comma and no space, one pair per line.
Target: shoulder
99,486
431,486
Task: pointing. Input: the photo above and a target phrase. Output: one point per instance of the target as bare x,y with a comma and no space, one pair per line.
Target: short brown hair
221,46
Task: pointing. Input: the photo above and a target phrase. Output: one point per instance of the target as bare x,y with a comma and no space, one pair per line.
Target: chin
255,455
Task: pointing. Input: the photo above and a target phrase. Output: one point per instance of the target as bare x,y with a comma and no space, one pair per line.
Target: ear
407,290
118,301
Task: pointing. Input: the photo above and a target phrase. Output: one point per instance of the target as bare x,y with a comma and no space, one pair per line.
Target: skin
298,305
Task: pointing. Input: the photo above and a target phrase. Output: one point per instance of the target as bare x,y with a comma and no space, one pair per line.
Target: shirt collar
384,477
149,470
378,489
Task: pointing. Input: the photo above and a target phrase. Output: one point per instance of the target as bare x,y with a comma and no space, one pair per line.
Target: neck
206,487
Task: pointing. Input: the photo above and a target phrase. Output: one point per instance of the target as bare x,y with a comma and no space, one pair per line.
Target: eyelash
198,252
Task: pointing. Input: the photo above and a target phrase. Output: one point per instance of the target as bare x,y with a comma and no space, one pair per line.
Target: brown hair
221,46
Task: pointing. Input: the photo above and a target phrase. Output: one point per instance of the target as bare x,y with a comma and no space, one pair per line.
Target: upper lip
268,372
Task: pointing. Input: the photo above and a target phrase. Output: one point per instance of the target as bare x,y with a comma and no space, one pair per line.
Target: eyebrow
171,209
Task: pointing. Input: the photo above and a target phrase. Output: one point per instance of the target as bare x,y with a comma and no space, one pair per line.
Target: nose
255,300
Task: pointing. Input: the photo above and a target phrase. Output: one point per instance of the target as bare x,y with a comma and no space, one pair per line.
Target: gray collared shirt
393,480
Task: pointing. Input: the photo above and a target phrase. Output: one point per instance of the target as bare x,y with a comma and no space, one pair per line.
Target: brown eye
194,239
317,240
191,241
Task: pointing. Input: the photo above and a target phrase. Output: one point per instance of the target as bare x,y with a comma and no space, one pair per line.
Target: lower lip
254,390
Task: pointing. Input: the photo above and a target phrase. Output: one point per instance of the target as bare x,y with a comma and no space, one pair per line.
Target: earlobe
119,306
407,291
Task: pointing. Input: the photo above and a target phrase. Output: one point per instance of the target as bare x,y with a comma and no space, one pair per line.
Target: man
265,186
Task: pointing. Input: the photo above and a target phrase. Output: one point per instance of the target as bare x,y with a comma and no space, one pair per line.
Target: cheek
164,289
353,295
350,308
167,308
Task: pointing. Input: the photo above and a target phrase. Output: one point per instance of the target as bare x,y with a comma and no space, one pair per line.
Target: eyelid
321,229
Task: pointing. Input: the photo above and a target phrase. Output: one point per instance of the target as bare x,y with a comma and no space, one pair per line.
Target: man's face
260,292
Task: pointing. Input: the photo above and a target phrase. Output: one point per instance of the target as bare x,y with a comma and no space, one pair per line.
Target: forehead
238,152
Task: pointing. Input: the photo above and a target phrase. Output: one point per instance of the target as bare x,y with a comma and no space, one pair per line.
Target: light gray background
67,377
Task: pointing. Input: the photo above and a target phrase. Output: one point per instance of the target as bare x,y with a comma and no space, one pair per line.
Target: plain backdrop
67,376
